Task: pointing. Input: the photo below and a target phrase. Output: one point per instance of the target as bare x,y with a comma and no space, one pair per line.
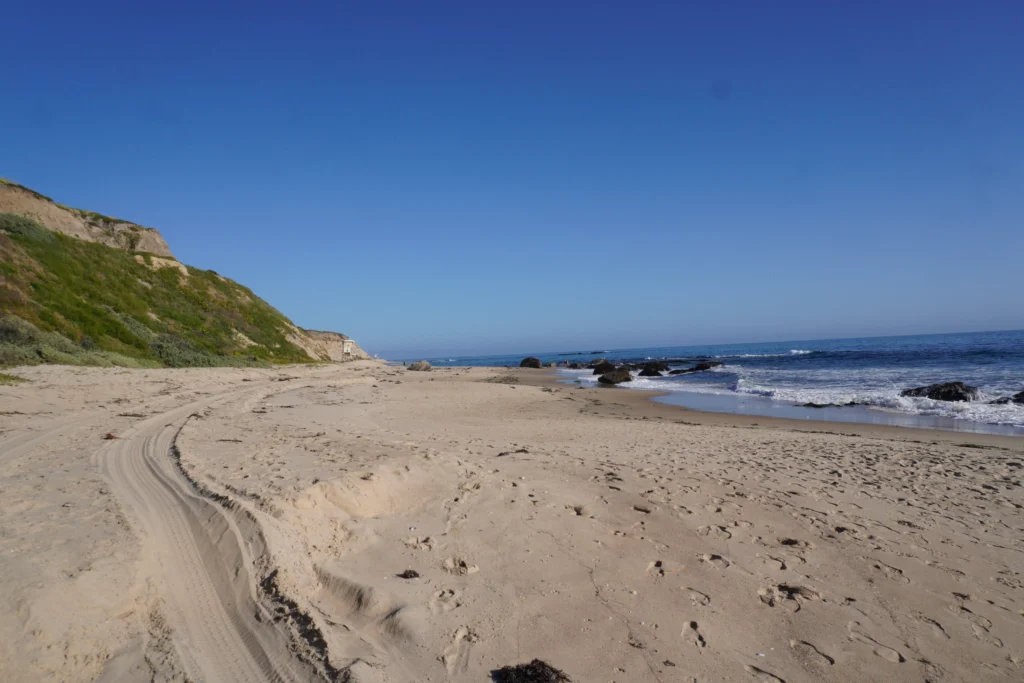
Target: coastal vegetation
66,300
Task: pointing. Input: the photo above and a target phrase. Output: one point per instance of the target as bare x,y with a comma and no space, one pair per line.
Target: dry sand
250,525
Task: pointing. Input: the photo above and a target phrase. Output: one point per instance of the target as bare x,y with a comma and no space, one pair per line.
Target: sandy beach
366,523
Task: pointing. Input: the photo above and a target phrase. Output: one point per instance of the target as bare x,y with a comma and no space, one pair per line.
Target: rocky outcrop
699,367
1017,398
530,362
85,225
652,369
603,367
420,366
615,377
947,391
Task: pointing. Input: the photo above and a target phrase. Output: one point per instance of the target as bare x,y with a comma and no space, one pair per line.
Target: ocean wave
886,399
791,352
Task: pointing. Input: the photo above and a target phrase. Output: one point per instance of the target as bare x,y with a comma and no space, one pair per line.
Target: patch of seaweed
534,672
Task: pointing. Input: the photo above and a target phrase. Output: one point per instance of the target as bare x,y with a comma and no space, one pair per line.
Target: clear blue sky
438,177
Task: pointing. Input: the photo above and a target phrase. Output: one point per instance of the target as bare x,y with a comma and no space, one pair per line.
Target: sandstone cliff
327,346
85,225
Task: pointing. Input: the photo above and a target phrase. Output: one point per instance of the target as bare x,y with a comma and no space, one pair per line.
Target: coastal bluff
328,346
85,225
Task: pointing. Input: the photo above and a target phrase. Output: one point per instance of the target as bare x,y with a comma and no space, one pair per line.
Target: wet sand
249,525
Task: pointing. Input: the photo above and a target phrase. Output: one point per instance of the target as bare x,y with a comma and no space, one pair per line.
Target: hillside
74,300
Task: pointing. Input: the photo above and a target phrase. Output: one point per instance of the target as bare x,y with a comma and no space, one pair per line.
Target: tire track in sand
198,560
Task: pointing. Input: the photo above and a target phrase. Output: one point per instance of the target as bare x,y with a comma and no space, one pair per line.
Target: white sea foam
792,352
879,389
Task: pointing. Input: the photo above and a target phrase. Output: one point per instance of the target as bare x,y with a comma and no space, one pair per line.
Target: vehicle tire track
199,564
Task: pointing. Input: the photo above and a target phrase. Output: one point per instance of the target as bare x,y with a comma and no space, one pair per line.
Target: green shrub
18,332
25,228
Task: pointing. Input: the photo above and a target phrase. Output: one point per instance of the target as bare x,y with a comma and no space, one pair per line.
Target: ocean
778,378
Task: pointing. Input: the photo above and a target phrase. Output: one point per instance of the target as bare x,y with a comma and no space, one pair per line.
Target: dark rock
530,362
409,574
699,367
652,369
603,367
1017,398
420,366
615,377
812,404
534,672
948,391
575,366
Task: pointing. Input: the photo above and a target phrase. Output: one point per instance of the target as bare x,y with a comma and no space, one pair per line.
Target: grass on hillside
6,378
64,300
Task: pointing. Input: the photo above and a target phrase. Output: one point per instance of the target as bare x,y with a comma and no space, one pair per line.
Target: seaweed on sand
534,672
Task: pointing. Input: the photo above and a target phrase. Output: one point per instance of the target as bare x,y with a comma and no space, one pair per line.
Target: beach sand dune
360,522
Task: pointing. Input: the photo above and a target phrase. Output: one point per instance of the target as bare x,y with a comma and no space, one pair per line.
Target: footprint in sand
698,598
715,531
456,654
715,560
458,566
979,624
886,653
762,675
788,595
420,542
795,543
444,601
776,563
656,568
936,627
691,634
894,573
809,654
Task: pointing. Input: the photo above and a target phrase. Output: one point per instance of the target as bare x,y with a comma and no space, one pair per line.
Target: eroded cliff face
327,346
85,225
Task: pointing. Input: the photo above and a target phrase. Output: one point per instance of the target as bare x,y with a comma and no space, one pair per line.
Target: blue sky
457,178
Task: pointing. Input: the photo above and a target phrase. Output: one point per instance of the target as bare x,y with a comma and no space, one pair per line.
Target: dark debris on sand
534,672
